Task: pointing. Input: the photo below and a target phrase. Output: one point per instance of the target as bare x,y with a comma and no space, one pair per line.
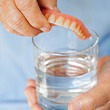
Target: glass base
48,105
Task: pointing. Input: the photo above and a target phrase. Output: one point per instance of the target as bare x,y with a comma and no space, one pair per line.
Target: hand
24,17
30,93
97,98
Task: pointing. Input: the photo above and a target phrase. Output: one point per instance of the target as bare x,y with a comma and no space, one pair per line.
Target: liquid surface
60,79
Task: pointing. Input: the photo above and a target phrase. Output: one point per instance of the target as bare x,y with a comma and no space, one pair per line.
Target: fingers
24,17
51,4
31,83
90,101
105,107
101,63
98,96
33,14
30,93
9,29
15,19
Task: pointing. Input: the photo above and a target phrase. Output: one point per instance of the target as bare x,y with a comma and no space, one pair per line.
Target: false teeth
73,26
51,18
67,24
59,21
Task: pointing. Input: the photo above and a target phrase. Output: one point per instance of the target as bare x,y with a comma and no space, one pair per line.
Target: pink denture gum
67,21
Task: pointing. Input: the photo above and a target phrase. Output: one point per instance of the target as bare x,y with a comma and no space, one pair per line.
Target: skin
97,98
24,17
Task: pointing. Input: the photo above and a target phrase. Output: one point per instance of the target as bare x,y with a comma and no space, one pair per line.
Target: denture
67,21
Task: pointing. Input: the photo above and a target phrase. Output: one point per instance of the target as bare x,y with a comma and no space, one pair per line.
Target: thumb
91,100
49,4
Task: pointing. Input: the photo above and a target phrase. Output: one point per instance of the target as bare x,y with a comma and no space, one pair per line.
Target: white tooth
80,32
51,18
78,28
59,21
67,24
73,26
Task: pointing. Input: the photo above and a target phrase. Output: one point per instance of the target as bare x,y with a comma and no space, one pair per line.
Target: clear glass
65,67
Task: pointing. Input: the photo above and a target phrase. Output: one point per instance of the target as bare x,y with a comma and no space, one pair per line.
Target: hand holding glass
65,67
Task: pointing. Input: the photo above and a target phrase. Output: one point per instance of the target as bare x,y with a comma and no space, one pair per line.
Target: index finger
33,14
30,93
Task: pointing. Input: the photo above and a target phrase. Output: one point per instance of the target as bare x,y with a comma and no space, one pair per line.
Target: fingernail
75,106
45,29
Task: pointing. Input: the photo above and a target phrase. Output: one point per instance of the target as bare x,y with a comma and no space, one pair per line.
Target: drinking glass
65,67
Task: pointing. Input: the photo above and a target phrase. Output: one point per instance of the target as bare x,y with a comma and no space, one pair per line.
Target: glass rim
70,53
